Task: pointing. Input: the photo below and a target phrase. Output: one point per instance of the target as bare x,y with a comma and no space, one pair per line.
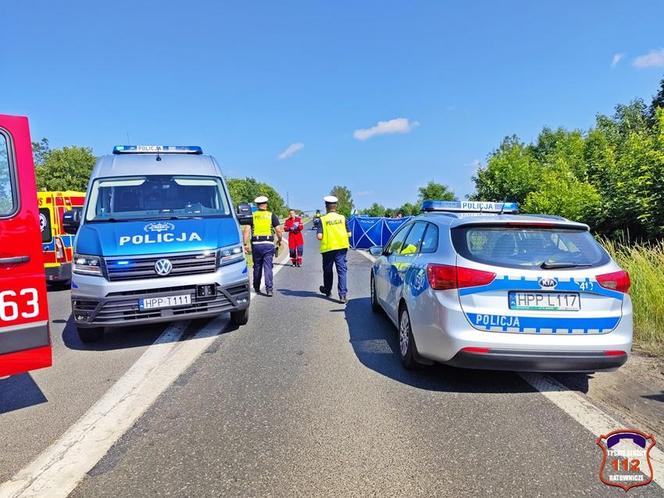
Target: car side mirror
71,220
244,214
376,251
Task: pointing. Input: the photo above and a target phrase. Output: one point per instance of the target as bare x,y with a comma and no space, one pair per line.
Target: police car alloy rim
404,333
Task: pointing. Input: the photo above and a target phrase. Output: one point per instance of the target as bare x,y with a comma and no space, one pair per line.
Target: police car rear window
529,247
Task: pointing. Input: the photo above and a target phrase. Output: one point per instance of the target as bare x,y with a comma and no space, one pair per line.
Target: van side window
7,186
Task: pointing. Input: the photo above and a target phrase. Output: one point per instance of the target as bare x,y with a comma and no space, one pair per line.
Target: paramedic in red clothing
293,225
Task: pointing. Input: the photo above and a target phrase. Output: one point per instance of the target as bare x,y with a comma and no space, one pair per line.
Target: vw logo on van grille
163,267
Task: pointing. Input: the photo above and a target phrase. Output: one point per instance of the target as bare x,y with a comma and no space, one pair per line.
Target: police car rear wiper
549,266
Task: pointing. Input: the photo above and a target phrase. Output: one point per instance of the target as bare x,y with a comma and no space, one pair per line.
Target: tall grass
645,264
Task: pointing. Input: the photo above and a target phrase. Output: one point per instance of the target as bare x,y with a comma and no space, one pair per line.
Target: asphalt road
37,407
308,399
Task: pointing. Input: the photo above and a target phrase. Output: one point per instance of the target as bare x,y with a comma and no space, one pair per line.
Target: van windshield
529,247
155,197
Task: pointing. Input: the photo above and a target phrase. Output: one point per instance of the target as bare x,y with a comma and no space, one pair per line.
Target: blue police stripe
509,323
512,284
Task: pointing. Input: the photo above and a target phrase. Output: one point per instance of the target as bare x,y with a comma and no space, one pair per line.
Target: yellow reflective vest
335,234
262,224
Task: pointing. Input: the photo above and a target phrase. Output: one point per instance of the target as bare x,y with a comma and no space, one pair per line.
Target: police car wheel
240,317
407,350
375,307
90,334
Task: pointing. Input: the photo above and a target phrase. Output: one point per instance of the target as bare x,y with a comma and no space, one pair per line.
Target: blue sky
246,80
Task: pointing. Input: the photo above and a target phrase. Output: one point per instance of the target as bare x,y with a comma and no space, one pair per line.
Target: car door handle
15,260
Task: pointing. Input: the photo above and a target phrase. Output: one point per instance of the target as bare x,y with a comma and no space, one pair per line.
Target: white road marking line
63,465
579,408
587,414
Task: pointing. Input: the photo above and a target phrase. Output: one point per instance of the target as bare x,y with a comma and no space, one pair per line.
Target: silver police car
476,285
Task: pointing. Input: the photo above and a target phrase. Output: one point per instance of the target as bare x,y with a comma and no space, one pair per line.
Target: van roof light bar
157,149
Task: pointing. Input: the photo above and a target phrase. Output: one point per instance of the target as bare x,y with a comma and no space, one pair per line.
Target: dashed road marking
63,465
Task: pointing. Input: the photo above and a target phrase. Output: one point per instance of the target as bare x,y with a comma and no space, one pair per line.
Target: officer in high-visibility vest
262,243
334,238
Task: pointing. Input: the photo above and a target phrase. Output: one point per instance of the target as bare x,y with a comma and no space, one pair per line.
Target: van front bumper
122,309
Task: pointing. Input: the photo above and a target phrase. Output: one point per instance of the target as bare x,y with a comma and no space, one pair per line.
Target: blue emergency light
157,149
470,206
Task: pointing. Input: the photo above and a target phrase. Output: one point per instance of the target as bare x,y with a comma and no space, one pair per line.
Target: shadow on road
132,337
301,293
574,381
19,391
655,397
374,341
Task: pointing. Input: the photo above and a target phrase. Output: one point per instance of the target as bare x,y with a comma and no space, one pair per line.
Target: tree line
432,190
610,176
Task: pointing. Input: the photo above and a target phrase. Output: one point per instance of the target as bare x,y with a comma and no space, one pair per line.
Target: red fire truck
24,332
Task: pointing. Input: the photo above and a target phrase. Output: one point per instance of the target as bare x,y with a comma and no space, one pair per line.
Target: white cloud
617,57
397,125
364,193
291,150
654,58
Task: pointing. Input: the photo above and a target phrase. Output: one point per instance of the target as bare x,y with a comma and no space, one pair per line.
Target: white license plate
545,301
151,303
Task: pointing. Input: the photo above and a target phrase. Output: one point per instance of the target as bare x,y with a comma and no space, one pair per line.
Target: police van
157,241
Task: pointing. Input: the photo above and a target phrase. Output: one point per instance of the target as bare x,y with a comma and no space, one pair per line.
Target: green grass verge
645,264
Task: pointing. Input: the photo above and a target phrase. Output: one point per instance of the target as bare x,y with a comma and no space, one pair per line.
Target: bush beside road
645,264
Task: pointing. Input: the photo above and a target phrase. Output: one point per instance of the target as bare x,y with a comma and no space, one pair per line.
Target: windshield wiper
550,266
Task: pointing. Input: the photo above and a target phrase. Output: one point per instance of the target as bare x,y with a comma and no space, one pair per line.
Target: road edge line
584,412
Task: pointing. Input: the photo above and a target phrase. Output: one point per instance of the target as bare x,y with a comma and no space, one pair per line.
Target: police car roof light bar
157,149
470,207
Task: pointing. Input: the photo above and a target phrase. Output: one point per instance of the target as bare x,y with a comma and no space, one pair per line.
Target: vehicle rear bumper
23,348
537,361
61,273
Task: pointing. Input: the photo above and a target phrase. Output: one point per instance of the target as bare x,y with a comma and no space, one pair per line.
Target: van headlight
230,254
87,265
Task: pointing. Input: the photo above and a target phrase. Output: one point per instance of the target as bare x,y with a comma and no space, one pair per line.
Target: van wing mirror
244,214
71,220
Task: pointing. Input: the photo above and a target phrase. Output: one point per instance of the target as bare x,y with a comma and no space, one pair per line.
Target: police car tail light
87,265
617,281
445,277
468,277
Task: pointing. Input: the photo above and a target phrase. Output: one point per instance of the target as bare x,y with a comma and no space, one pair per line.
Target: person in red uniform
293,225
